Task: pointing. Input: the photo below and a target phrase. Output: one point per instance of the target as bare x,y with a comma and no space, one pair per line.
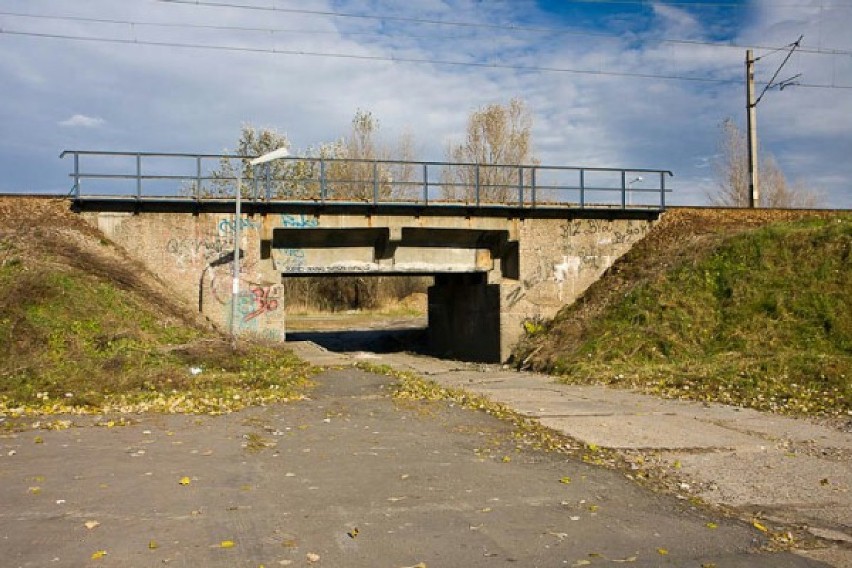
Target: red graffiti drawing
262,303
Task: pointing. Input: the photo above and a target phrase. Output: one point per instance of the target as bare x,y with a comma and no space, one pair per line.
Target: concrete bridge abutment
494,268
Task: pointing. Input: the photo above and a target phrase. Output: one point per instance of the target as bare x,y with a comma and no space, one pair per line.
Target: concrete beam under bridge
389,250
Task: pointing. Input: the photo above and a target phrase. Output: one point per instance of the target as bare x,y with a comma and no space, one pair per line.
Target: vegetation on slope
762,318
84,329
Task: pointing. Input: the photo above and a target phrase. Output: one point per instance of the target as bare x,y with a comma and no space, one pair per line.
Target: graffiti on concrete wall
260,300
257,310
229,226
587,248
290,259
299,221
293,259
197,250
635,231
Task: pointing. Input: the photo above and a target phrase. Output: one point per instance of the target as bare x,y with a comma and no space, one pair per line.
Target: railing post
138,176
375,183
533,186
426,184
623,189
662,190
268,181
520,186
582,189
198,177
76,175
323,188
476,179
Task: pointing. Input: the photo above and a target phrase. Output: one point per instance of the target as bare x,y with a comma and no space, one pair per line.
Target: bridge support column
464,318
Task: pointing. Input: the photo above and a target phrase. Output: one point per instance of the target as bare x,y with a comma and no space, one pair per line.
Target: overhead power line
304,53
462,24
702,4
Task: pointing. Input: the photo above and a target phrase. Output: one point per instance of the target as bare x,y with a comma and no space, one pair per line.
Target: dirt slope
45,232
744,307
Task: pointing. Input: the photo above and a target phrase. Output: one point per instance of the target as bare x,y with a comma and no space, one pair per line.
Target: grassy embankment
82,330
761,319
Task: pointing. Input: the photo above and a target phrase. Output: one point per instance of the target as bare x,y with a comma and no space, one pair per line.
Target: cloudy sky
611,83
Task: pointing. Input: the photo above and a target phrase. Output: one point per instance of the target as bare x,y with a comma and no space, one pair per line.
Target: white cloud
194,100
82,121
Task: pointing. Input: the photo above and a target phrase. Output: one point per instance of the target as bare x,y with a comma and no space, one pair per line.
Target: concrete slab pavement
793,471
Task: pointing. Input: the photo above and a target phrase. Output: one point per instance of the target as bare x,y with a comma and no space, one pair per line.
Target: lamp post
630,189
235,288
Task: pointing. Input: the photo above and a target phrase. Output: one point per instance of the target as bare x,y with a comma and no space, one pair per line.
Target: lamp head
269,156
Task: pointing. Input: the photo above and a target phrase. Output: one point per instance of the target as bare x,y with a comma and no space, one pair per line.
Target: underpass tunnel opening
453,316
380,314
451,270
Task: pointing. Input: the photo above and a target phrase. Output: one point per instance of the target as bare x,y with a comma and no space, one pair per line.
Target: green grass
74,343
764,320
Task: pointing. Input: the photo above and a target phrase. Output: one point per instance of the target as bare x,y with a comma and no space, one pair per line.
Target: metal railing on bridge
212,177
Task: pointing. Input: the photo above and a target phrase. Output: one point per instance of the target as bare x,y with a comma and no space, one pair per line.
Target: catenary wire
305,53
460,24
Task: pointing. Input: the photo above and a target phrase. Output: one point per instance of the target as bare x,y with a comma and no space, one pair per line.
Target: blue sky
590,109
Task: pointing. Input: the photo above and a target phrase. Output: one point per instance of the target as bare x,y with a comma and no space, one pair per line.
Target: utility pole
751,110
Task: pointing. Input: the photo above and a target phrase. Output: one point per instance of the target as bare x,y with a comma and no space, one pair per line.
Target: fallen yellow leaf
227,544
759,526
712,526
566,480
38,440
98,554
152,545
662,551
184,480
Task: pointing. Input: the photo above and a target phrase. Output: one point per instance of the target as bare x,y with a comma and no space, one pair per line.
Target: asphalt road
349,478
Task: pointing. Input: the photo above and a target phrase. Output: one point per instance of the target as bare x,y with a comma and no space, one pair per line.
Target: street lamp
629,188
235,288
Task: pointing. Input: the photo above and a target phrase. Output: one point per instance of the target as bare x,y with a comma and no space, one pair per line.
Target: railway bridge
506,244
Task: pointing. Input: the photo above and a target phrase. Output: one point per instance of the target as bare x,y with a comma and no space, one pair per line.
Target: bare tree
497,136
733,179
278,175
367,171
